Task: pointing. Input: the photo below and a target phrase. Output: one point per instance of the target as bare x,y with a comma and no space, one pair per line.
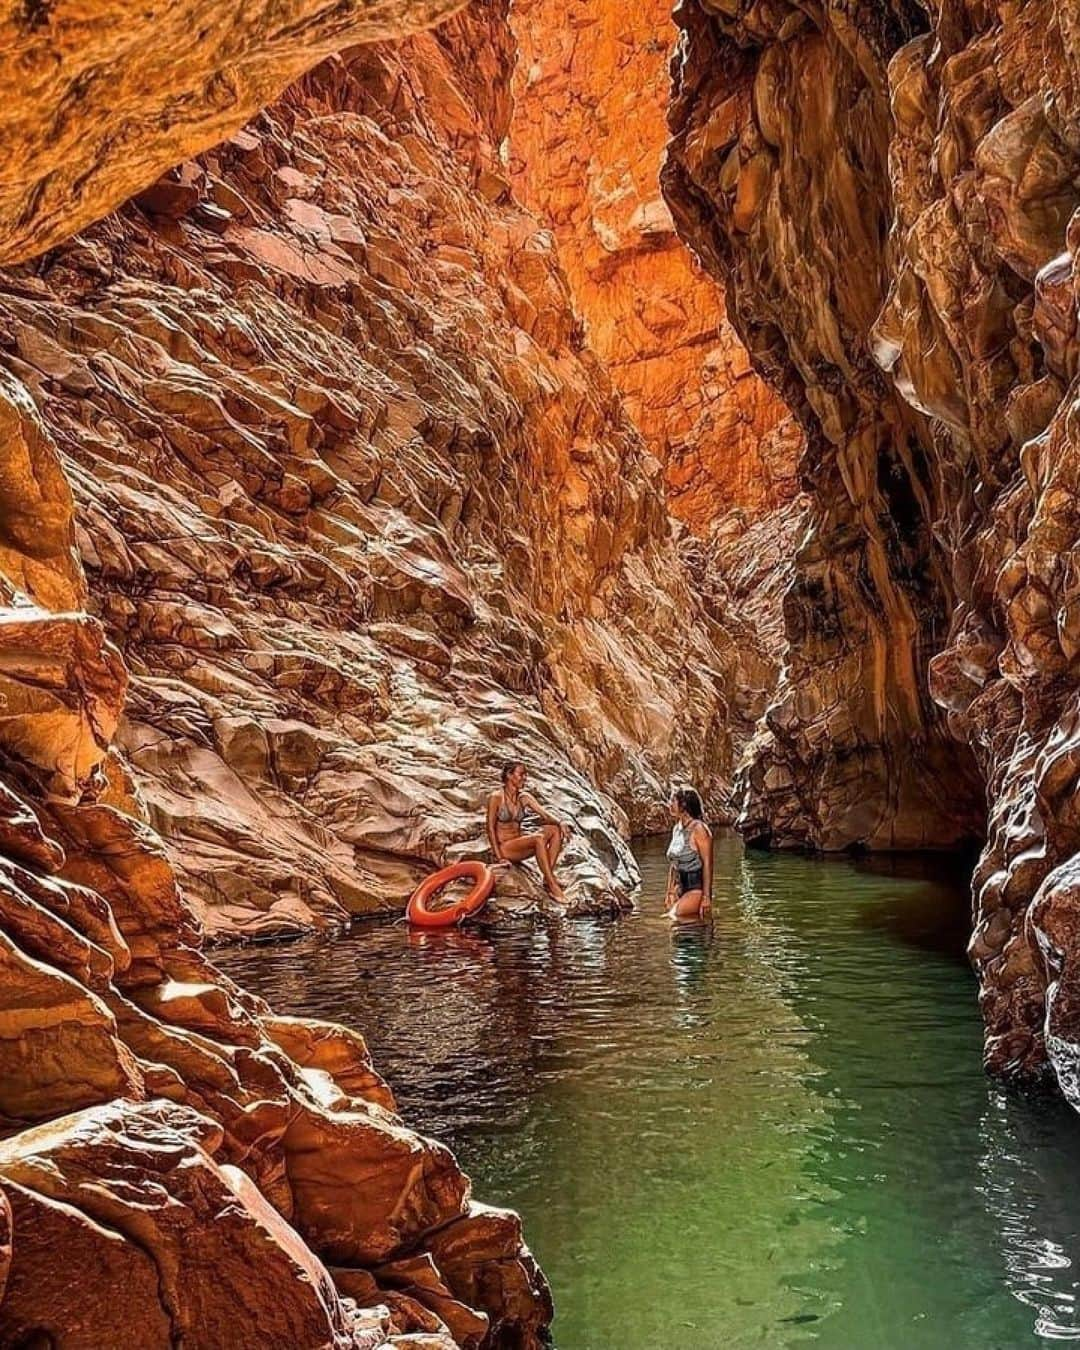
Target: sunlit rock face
102,97
177,1164
893,197
360,508
585,149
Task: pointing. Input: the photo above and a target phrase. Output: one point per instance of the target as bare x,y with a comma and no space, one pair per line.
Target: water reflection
768,1131
1028,1183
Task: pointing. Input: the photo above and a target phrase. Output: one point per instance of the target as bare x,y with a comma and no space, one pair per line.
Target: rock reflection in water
1029,1185
769,1132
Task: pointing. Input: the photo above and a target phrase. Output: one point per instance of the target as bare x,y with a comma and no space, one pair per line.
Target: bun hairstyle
686,799
509,767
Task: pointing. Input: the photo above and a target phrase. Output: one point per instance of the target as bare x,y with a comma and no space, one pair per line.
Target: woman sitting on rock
509,843
689,894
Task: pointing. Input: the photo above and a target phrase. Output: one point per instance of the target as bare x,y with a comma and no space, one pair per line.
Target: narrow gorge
391,390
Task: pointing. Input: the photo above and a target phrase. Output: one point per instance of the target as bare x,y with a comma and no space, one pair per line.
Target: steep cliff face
361,515
853,751
359,506
891,195
586,144
178,1164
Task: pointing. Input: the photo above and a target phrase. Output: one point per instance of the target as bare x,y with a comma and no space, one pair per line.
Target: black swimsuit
687,861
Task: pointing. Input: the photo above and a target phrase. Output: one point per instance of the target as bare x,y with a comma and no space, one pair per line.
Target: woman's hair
509,767
686,799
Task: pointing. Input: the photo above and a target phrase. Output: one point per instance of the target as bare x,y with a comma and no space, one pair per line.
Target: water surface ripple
773,1134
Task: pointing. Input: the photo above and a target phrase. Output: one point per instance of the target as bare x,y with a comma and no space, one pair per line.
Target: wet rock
481,1258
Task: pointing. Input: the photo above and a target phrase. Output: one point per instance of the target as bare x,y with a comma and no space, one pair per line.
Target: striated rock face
853,751
892,197
586,144
176,1163
361,510
102,97
361,515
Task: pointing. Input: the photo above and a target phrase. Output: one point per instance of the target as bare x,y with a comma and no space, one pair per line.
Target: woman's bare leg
553,840
687,906
534,846
543,857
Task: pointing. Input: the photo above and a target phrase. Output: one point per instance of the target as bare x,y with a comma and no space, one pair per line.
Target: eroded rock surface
177,1163
360,508
586,144
891,194
103,97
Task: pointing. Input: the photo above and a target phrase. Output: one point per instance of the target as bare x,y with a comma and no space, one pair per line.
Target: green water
773,1134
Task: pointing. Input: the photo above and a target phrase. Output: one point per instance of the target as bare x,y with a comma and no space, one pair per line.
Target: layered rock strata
176,1163
891,194
360,508
361,514
586,144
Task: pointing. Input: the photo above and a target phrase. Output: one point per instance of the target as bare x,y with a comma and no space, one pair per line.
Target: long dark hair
686,799
509,767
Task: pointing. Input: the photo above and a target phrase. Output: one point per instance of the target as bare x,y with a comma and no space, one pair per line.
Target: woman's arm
669,899
704,845
493,838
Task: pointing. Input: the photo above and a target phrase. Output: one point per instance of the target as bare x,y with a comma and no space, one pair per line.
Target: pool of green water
772,1133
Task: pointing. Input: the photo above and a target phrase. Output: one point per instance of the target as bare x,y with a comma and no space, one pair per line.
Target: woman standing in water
691,855
509,843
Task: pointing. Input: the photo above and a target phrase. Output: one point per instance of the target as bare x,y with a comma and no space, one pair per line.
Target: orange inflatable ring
419,911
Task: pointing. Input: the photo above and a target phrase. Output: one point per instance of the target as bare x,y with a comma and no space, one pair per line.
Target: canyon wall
890,193
101,100
177,1164
316,506
586,143
362,510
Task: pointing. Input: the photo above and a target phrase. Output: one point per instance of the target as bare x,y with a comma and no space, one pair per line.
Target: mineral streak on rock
586,144
892,193
103,97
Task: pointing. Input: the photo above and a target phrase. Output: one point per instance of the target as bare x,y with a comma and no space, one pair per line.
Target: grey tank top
681,850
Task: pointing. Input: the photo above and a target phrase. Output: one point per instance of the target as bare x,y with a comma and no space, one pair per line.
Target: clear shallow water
773,1134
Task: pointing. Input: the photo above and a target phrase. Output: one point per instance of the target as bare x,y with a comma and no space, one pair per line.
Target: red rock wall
176,1163
316,505
586,144
101,99
891,194
361,509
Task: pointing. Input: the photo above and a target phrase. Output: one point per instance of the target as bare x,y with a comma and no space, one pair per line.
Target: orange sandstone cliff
316,505
586,144
362,509
892,195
